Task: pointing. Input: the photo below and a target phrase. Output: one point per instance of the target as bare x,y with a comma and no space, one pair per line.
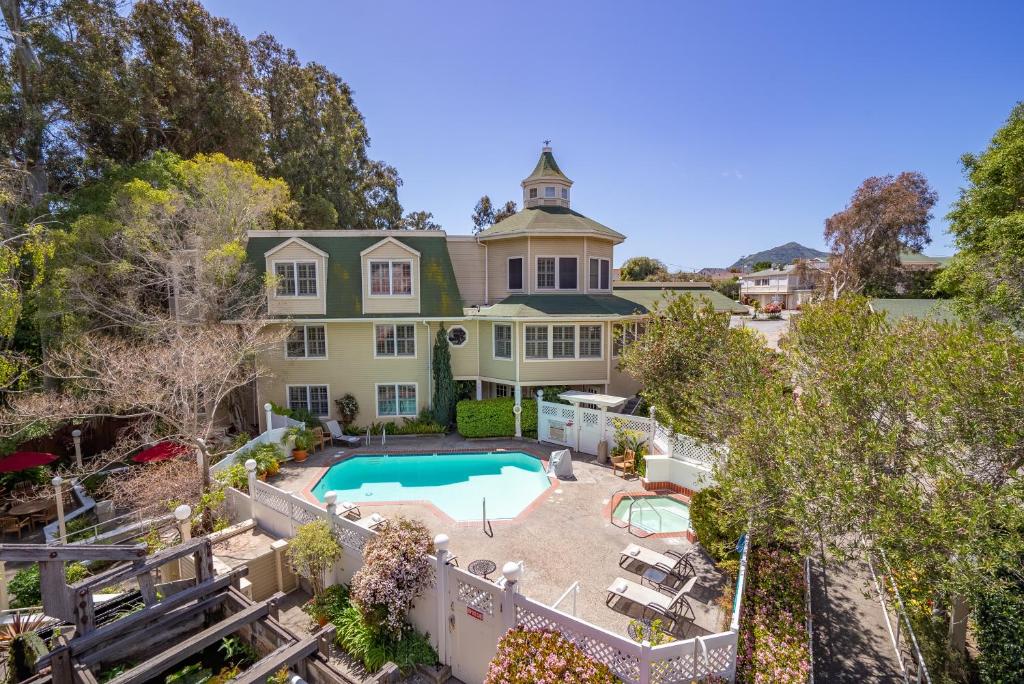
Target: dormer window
533,193
549,191
295,278
390,278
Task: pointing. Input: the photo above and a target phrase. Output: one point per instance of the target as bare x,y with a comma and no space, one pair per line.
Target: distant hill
783,254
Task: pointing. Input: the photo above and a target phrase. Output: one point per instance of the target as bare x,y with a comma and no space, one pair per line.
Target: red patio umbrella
23,460
160,452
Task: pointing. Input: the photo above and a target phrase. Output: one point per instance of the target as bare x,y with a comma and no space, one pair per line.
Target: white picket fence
583,428
466,615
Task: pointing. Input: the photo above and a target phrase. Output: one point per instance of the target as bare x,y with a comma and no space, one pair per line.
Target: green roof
437,287
918,258
620,303
549,220
933,309
547,167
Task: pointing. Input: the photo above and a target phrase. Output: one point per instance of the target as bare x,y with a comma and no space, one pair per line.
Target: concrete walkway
851,641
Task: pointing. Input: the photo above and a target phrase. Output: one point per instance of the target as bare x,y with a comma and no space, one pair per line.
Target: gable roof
438,289
549,221
295,241
391,241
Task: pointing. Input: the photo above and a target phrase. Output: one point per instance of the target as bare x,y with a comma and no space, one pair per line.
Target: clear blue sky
702,130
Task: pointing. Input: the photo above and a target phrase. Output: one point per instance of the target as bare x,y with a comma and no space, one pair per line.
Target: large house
528,302
795,284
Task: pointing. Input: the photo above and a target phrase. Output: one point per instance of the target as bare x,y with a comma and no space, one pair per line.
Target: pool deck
563,537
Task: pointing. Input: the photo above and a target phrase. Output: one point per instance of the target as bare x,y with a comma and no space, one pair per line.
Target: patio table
482,567
29,507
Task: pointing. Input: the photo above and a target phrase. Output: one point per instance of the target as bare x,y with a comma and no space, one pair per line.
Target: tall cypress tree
444,382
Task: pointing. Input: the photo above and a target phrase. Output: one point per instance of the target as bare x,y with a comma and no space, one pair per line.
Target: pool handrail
661,523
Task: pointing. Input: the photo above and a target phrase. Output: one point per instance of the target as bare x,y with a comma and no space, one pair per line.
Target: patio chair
674,563
44,516
338,435
653,601
319,438
349,510
372,522
626,462
11,523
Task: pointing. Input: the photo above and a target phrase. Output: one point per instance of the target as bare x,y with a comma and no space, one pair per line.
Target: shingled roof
549,221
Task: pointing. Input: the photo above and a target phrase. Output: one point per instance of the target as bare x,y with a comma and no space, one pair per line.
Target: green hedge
494,417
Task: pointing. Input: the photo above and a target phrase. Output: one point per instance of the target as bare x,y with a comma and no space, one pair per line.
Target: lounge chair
338,435
372,521
673,563
626,462
349,509
654,602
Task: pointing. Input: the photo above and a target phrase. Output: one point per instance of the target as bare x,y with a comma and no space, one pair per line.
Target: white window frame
295,278
558,270
288,397
391,278
634,332
579,341
494,341
550,192
576,343
499,387
551,341
565,193
398,411
305,341
590,272
394,336
464,341
524,279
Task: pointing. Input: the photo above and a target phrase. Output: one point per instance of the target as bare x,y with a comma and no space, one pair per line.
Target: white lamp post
270,413
57,482
76,435
183,514
250,473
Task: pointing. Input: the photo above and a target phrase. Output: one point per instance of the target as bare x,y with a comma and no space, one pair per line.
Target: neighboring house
793,285
528,302
790,285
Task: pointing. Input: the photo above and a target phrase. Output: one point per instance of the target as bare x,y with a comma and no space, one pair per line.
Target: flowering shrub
773,639
772,308
534,656
396,569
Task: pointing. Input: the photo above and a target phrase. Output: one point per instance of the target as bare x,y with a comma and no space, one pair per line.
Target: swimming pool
455,483
655,513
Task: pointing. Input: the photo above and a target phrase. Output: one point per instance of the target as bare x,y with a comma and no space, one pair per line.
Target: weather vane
547,143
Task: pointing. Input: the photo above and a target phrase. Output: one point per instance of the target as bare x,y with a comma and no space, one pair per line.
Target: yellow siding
350,367
468,261
498,252
490,367
391,304
598,249
465,359
298,305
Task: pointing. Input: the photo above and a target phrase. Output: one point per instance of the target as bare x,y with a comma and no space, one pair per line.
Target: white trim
396,355
376,399
389,241
307,385
305,338
522,274
295,268
463,329
511,338
296,241
599,288
558,262
391,278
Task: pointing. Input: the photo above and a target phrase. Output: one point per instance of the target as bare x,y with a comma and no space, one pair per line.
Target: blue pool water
455,483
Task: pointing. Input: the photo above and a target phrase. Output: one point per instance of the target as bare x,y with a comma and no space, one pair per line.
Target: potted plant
302,439
348,409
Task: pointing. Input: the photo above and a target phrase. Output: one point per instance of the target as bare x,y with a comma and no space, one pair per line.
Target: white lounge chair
338,435
673,563
670,607
349,509
372,521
